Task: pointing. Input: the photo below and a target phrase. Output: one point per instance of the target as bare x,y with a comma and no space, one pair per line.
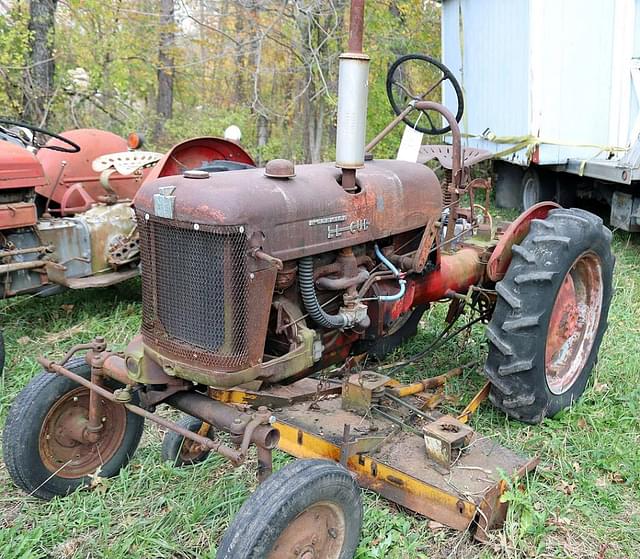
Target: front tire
309,508
550,316
40,455
180,451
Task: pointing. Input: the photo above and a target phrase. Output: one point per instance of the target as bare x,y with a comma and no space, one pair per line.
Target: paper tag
410,145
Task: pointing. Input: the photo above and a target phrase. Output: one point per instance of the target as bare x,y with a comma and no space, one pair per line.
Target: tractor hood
19,168
307,214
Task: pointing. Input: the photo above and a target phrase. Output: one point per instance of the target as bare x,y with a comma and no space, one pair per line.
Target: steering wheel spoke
417,72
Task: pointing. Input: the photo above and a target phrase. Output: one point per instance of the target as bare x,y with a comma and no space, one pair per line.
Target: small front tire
181,452
310,508
41,456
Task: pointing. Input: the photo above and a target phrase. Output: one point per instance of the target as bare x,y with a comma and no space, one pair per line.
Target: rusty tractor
65,204
263,290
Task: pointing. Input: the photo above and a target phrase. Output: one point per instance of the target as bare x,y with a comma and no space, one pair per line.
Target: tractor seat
444,153
126,162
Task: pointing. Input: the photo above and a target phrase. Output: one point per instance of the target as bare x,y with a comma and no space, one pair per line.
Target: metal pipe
222,416
17,266
30,250
356,26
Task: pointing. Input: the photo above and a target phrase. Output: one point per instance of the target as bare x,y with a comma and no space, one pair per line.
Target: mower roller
264,288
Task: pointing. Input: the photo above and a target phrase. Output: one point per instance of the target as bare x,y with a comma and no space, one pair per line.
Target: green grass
583,501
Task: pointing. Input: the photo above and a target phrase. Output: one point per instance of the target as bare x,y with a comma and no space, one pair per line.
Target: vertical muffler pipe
353,90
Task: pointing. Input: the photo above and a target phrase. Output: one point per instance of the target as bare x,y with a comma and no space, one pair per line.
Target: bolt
237,421
104,419
75,398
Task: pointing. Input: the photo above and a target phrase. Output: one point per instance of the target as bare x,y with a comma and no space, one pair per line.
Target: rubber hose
309,299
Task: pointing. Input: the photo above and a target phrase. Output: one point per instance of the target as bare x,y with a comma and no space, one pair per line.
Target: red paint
78,171
19,168
457,272
515,233
190,154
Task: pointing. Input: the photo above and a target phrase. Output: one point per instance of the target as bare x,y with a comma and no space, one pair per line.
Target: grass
583,501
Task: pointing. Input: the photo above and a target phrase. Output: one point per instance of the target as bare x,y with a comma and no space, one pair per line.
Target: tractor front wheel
43,444
550,315
182,452
309,509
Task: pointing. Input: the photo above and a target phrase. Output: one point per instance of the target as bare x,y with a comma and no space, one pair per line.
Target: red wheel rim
574,323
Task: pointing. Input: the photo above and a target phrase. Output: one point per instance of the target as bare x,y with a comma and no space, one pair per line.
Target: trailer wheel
181,452
308,509
535,188
550,316
40,440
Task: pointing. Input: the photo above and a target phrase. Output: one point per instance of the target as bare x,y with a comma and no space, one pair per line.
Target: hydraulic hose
396,273
311,304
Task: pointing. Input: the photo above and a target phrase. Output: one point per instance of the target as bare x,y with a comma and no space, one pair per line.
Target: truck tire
309,508
536,187
550,315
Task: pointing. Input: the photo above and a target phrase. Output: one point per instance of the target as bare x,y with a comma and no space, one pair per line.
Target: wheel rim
574,323
530,193
316,533
191,451
61,447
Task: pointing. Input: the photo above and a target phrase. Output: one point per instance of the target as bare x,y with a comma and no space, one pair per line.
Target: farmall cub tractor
257,282
66,219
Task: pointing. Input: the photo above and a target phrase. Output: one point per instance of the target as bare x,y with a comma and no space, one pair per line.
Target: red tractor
263,289
65,204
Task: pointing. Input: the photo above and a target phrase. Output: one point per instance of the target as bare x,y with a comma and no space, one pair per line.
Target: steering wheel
416,77
73,147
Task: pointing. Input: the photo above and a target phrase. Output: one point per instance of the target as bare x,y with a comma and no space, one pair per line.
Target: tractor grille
194,303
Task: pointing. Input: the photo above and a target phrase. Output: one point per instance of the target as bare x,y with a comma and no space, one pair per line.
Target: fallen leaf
67,307
25,340
582,423
601,482
600,387
566,488
617,477
576,467
433,525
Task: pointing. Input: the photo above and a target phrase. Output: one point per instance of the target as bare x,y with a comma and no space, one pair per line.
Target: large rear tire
550,315
42,457
309,508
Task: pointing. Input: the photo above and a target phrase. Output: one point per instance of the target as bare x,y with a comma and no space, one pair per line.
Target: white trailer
552,88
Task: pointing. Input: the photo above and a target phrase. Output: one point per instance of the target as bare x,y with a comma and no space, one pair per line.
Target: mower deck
391,459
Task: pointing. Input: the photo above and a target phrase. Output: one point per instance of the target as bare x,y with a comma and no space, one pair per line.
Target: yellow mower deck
392,460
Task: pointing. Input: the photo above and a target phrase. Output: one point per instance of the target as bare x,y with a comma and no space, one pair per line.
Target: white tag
410,145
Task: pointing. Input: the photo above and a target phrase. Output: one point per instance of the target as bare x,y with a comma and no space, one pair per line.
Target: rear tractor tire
308,509
181,452
550,315
41,452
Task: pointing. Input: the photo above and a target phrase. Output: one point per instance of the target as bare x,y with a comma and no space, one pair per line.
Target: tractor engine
271,274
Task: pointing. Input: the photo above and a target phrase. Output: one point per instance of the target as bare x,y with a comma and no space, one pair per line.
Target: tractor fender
514,234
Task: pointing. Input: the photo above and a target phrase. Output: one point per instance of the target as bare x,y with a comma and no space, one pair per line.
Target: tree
39,74
164,97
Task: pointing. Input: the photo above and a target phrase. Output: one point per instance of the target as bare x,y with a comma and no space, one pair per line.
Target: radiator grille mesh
195,291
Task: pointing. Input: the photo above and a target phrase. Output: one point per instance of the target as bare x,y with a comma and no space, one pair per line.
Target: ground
583,501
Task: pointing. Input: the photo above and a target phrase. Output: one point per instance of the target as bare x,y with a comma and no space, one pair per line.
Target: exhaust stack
353,90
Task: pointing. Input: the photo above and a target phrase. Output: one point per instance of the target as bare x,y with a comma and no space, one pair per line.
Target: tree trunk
164,99
38,77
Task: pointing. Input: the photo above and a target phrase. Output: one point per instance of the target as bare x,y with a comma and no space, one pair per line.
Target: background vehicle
553,92
65,204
